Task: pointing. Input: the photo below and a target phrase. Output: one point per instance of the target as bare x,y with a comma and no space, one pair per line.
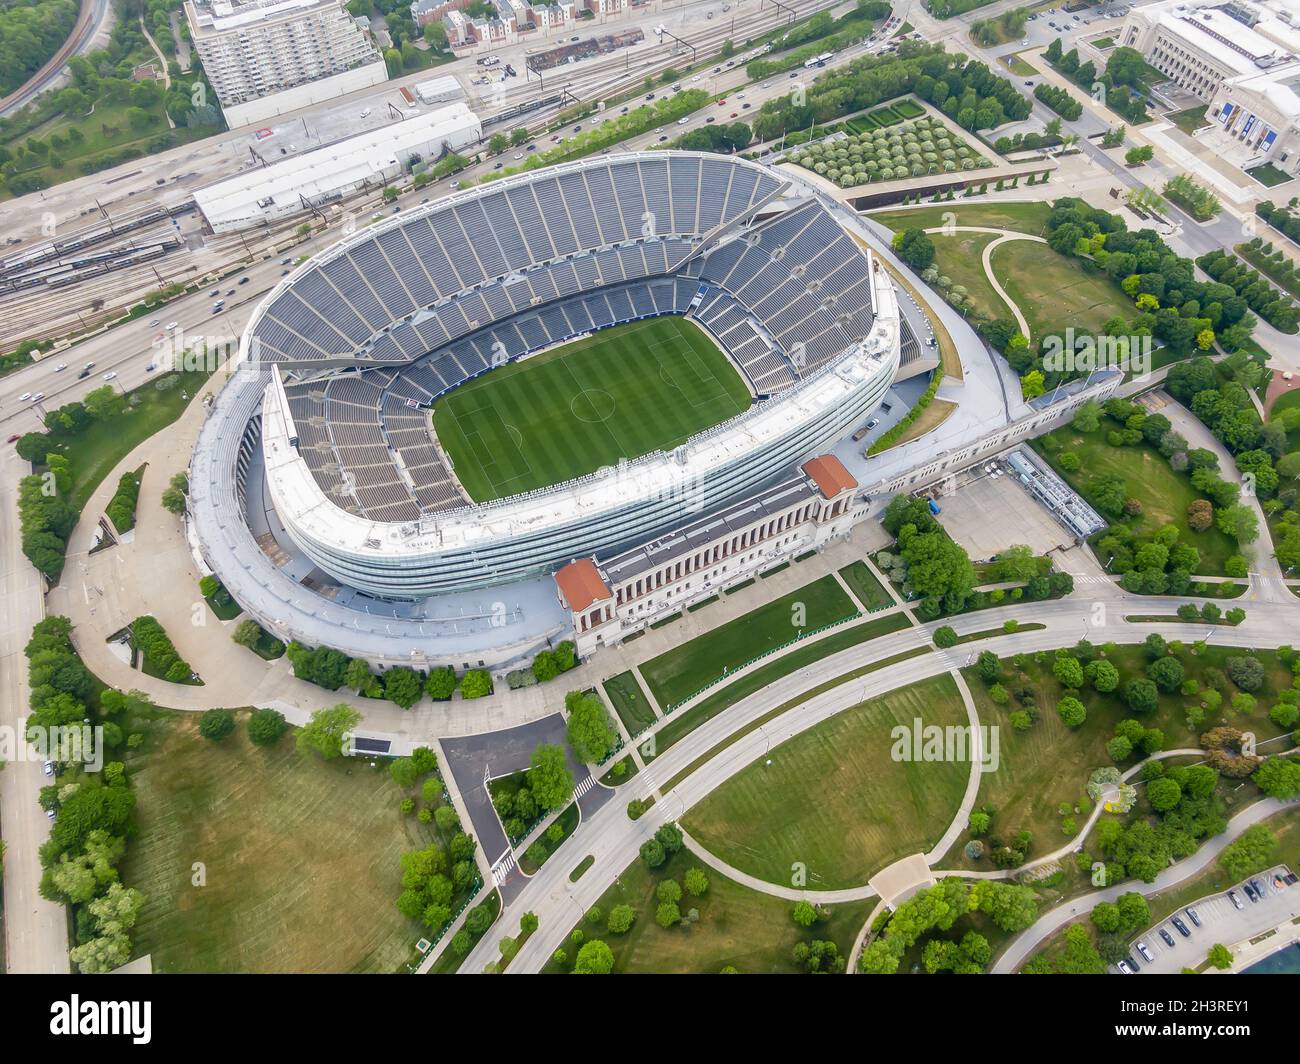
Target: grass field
93,454
1021,217
868,590
678,674
1165,494
833,798
1052,290
629,702
622,393
743,928
300,858
960,257
683,723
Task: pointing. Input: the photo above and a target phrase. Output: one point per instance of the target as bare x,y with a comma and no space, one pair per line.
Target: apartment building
260,54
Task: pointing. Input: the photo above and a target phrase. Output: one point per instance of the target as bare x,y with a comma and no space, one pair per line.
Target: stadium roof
829,474
580,584
341,165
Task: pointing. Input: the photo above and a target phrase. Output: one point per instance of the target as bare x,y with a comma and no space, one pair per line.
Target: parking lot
988,514
1221,922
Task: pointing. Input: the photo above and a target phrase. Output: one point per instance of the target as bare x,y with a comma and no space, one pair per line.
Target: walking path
1003,235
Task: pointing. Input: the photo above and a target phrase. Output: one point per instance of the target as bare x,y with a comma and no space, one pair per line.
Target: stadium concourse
325,491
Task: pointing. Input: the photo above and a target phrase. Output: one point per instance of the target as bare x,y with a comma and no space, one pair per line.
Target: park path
1003,236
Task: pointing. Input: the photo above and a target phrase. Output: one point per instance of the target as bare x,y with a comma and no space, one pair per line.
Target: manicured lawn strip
681,672
834,799
1191,120
664,622
609,779
1021,217
868,590
448,962
1048,765
621,393
1050,289
746,929
629,702
1269,175
989,633
1172,618
568,820
710,707
581,868
772,714
94,453
702,603
1165,495
301,858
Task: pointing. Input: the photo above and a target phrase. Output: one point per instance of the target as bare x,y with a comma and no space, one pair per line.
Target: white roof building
312,179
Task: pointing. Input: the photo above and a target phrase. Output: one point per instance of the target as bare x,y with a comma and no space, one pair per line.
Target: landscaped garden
836,800
629,702
922,146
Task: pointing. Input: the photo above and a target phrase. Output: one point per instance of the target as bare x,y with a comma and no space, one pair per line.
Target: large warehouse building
327,425
318,178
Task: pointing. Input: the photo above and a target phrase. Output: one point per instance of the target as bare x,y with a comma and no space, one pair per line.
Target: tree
1141,696
476,683
1167,672
1071,711
1220,957
549,778
594,958
323,734
403,686
1103,676
1252,852
247,632
216,724
945,637
1246,672
589,730
266,726
695,882
804,914
621,918
1067,670
1164,794
915,248
441,684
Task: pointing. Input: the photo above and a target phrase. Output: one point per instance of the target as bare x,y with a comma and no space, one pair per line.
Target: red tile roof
580,583
829,474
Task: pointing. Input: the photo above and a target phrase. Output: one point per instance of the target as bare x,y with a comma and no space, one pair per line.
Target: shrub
216,724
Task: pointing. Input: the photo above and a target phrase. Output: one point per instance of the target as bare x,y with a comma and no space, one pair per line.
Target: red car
14,438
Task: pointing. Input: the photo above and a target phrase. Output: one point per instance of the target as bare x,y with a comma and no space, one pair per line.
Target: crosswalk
584,786
502,868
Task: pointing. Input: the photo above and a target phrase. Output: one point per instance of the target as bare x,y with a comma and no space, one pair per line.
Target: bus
819,60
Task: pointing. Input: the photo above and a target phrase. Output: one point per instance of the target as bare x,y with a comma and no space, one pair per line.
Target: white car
24,397
172,326
365,113
48,768
696,78
153,323
60,367
38,397
109,375
518,155
683,121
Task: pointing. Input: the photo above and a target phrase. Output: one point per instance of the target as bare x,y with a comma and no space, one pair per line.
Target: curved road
84,31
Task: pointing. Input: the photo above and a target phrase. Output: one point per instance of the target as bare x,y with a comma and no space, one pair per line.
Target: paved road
35,929
1027,941
91,19
613,840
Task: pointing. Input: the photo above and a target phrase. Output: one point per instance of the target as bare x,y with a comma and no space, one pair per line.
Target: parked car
1193,916
1249,891
1141,947
1126,968
1180,927
48,768
1166,937
1236,901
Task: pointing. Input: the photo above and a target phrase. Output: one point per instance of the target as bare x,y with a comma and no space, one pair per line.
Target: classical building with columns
610,598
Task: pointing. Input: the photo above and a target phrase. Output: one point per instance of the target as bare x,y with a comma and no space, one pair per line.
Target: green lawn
1020,217
300,858
1052,290
622,393
1191,120
1165,495
1047,766
1269,175
959,257
834,799
93,454
743,928
678,674
631,705
869,591
681,724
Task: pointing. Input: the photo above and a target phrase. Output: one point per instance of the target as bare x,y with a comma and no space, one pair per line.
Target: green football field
622,393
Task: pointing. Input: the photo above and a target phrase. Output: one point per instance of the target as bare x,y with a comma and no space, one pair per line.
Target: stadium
550,366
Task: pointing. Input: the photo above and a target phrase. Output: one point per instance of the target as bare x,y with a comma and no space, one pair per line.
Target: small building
612,597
